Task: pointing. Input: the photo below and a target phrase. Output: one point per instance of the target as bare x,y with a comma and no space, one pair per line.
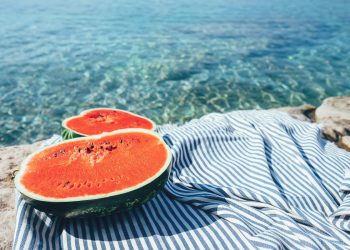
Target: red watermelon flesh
95,165
97,121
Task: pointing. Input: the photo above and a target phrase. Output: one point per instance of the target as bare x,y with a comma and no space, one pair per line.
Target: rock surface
10,159
303,113
345,143
334,115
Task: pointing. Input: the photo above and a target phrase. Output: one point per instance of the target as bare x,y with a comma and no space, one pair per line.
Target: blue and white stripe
242,180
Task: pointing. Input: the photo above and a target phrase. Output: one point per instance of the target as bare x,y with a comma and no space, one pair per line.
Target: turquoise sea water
168,60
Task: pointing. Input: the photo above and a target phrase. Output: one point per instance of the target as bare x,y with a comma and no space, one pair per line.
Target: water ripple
169,60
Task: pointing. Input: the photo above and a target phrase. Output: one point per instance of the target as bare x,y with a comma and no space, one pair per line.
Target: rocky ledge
333,115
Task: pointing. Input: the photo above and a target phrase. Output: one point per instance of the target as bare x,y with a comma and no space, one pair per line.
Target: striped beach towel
241,180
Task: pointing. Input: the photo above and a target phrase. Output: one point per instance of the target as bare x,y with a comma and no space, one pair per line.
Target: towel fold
241,180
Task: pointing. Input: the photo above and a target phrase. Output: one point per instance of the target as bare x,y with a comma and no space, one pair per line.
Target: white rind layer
64,122
22,189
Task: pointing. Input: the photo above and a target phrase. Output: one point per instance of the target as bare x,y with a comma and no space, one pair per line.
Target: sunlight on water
168,60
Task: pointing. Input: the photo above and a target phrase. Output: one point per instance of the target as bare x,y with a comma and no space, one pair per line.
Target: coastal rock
334,115
305,112
7,217
345,143
10,159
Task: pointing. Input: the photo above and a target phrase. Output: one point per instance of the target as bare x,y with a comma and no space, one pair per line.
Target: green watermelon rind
68,133
102,204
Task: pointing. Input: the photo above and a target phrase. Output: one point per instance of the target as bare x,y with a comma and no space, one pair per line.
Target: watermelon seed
96,116
89,184
99,185
117,179
110,148
71,185
79,185
66,184
84,182
112,179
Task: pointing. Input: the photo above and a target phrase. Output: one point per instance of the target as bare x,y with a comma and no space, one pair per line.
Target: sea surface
168,60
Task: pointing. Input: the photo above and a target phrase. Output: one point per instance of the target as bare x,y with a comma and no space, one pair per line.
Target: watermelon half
99,120
96,175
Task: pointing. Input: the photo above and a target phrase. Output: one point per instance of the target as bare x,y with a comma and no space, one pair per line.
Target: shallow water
168,60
